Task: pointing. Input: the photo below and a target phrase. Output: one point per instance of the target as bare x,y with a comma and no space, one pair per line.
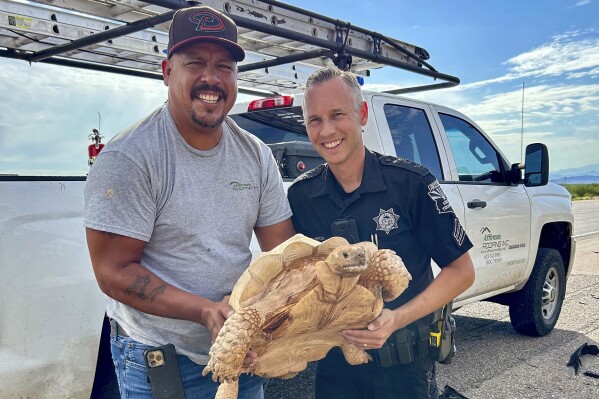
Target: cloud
573,54
591,73
47,113
562,113
582,3
561,102
551,101
564,55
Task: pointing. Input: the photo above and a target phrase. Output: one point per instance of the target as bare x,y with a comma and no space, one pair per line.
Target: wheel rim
550,293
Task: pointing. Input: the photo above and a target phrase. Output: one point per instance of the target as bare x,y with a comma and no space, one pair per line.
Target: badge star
386,220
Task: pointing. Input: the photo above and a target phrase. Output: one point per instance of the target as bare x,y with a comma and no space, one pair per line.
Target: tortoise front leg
233,342
388,270
355,355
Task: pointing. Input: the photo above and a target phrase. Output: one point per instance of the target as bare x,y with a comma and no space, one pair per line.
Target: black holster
442,341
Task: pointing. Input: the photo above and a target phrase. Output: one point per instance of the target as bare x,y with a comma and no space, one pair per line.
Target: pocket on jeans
134,355
116,340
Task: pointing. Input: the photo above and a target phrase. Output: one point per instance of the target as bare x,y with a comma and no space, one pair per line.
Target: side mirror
515,173
536,165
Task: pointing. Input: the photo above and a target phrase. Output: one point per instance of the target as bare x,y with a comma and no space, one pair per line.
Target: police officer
398,204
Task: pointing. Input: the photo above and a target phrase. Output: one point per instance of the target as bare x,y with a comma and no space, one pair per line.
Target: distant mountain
585,179
582,175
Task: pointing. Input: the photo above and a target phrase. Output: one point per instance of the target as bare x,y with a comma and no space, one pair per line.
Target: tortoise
292,302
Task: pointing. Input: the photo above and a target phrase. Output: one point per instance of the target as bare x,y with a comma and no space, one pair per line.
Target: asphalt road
493,361
586,217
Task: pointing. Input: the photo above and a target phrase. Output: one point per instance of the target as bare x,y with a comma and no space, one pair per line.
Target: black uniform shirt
399,201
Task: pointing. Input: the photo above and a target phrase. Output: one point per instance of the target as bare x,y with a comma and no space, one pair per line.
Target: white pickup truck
53,335
521,226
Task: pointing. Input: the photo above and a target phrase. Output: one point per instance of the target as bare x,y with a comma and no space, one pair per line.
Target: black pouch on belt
404,345
399,349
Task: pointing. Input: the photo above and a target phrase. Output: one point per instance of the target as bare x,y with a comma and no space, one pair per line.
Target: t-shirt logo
386,220
437,195
237,186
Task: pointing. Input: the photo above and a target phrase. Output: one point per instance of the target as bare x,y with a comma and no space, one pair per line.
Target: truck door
408,130
497,212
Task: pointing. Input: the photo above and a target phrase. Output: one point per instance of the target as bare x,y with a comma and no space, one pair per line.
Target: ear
166,71
364,114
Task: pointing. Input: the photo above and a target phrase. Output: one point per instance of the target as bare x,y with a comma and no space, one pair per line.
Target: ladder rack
283,43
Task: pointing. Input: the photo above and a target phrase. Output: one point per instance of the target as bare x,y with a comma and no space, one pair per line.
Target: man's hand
376,334
214,314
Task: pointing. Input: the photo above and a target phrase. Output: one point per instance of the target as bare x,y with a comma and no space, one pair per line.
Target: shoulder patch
403,163
435,192
312,173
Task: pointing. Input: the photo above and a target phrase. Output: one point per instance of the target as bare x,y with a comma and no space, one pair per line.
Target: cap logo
207,21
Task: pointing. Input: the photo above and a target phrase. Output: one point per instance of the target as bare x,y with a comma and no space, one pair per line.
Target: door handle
477,204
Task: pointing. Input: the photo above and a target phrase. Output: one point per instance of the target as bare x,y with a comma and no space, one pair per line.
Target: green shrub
583,191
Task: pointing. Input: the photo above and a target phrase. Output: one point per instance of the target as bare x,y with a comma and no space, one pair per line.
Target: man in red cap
170,207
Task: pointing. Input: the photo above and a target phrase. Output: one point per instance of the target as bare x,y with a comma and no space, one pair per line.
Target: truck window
413,137
475,158
274,125
283,130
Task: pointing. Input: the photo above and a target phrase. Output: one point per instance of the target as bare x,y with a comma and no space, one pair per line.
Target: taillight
272,102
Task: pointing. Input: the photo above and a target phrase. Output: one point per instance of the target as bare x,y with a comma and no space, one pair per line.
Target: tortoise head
347,260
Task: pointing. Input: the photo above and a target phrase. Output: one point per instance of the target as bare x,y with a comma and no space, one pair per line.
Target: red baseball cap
196,24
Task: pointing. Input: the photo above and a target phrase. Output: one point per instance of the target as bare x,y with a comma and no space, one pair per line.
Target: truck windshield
274,125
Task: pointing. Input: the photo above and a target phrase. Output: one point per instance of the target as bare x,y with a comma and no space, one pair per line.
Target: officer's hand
214,314
376,334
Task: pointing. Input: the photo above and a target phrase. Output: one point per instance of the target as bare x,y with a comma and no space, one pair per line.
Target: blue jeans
127,355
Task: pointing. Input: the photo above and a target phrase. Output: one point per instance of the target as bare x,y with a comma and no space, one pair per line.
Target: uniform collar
372,179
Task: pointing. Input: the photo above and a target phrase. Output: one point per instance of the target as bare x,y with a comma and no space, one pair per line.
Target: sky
495,47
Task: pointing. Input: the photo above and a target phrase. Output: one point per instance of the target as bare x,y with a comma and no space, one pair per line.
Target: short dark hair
330,72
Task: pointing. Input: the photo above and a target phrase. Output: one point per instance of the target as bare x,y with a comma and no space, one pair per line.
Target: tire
535,309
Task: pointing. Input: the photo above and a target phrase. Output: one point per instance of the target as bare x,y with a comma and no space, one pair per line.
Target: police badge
386,220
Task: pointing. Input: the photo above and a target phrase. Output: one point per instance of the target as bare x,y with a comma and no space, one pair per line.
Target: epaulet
402,163
312,173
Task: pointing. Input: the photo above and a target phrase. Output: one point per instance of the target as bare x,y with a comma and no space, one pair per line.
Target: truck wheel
536,307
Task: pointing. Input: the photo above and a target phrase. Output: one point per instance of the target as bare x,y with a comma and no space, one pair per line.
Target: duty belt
404,345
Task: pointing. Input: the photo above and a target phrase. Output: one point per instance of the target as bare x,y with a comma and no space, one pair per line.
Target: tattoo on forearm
138,287
157,291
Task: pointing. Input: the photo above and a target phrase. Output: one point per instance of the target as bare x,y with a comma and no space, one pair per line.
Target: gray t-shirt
195,209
